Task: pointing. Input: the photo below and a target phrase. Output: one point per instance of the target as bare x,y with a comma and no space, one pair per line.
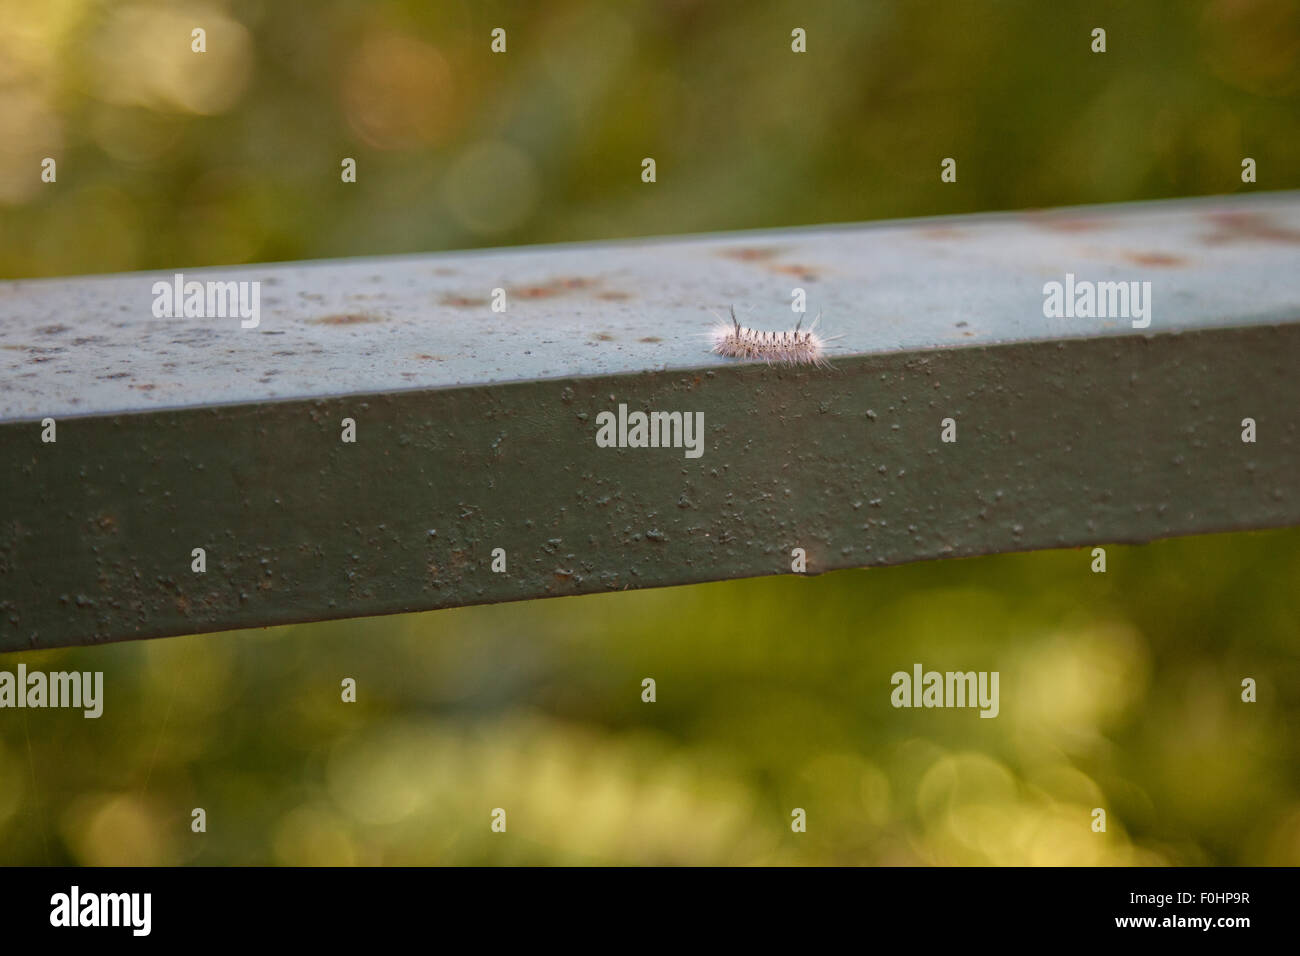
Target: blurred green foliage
170,159
1119,690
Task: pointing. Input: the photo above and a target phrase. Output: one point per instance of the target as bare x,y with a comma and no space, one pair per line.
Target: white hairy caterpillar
793,347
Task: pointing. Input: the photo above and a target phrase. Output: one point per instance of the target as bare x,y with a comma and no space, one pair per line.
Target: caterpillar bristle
793,347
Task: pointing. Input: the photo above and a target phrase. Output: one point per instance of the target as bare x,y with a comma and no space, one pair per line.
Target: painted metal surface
92,345
1070,432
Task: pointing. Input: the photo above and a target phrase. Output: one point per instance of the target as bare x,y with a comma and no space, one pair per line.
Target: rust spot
445,271
1248,226
1057,223
943,232
602,336
347,318
431,358
144,388
554,287
1154,259
764,255
463,301
749,253
613,296
106,524
52,329
182,604
650,338
805,273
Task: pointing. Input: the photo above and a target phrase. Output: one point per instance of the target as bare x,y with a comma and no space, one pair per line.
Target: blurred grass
1118,690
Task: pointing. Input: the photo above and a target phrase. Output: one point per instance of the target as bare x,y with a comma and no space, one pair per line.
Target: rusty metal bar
475,430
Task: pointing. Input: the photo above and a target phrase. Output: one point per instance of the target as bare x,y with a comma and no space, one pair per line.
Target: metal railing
380,435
